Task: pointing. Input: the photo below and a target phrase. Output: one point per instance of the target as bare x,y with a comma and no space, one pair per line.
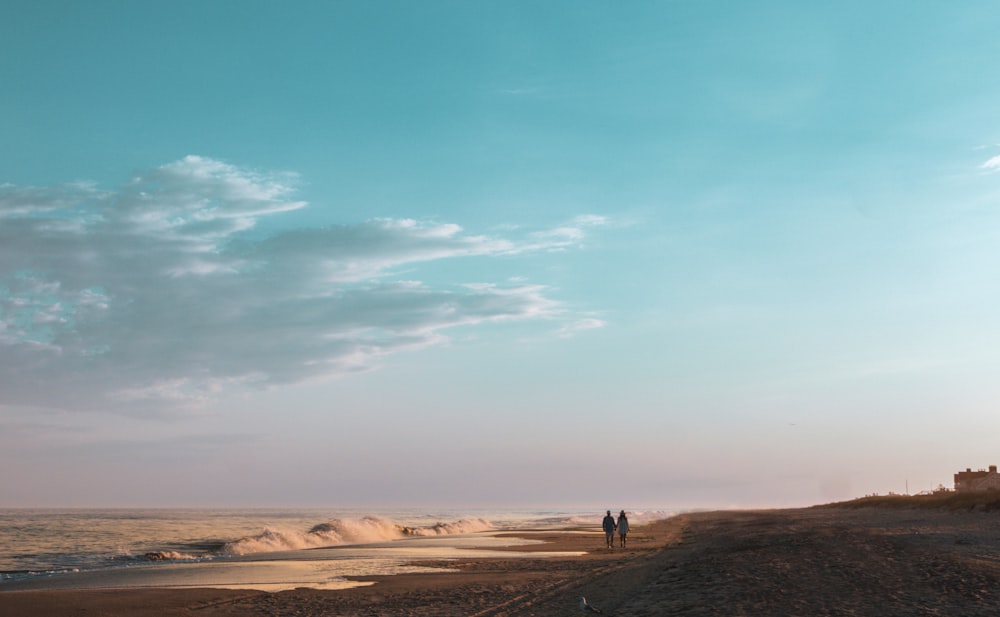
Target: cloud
568,235
570,330
991,165
155,295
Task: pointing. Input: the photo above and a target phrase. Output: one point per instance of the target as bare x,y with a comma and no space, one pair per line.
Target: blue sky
664,254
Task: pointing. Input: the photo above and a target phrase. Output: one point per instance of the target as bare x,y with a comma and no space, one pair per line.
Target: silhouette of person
622,527
609,529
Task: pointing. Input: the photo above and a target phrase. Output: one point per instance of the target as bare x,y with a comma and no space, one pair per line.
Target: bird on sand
587,608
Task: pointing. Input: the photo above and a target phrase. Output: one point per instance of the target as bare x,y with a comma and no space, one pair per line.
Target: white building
981,480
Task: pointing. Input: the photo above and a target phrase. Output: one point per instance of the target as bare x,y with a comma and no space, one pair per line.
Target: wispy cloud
571,329
566,236
991,165
156,294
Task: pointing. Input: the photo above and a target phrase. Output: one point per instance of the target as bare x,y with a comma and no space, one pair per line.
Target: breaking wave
465,525
339,532
167,556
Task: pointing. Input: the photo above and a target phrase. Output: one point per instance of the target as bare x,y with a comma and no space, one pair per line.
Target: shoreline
470,585
821,560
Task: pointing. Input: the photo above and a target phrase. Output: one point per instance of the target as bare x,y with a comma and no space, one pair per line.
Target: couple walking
610,526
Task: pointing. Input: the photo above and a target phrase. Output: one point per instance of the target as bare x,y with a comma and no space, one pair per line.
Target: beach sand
803,562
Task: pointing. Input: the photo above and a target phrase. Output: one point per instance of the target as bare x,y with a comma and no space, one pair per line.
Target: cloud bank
157,294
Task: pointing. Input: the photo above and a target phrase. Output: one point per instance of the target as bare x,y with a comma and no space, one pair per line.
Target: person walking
622,527
609,529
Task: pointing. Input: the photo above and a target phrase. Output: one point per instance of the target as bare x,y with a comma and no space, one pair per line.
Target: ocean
266,549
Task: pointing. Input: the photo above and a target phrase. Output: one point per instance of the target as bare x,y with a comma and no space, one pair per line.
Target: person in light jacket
622,527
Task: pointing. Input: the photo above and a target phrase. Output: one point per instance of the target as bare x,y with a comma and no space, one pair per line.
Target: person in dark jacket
609,529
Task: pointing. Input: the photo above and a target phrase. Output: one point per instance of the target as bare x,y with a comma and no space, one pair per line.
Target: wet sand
816,561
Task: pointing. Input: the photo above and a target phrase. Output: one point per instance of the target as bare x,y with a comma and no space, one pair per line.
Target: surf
345,531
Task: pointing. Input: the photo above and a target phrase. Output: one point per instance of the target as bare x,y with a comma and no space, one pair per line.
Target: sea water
268,549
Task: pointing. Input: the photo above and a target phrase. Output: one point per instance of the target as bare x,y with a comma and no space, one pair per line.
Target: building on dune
981,480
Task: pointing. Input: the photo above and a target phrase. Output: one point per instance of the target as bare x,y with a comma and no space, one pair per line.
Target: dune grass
976,501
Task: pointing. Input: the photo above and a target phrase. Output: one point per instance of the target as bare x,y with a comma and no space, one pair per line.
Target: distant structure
968,481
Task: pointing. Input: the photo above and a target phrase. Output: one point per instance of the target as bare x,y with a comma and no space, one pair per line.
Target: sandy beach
814,561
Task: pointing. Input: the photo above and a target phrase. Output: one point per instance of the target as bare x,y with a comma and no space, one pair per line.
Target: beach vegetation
972,501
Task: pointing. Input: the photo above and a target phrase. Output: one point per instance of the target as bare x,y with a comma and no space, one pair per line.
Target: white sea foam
635,517
168,556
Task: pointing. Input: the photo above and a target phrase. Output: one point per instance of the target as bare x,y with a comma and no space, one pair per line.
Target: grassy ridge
979,501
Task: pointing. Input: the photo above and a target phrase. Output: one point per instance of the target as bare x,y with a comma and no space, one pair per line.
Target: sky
511,254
